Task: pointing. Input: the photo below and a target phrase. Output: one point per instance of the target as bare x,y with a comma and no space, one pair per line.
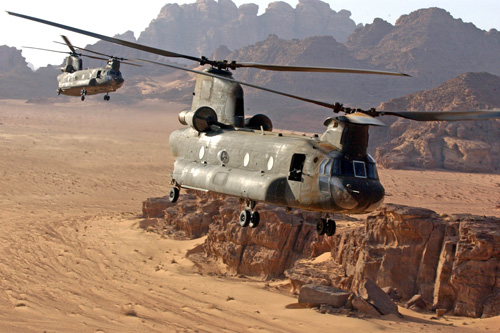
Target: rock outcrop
199,28
469,146
452,262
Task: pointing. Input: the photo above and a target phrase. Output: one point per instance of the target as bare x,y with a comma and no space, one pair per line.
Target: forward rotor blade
66,40
326,105
109,39
282,68
442,115
363,119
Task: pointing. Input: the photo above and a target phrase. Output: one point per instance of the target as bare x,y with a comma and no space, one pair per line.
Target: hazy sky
110,18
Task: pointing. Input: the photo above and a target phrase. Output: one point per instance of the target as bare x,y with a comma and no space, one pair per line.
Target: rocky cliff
450,262
471,146
428,43
17,80
199,28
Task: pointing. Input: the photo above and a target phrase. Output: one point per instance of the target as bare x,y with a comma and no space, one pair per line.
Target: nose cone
118,80
368,193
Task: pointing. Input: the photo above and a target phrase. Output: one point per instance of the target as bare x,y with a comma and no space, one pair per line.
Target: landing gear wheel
106,97
245,218
173,196
321,227
254,220
331,227
83,98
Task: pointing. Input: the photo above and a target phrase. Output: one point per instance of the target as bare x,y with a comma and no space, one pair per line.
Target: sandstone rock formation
199,28
17,80
453,261
428,43
472,146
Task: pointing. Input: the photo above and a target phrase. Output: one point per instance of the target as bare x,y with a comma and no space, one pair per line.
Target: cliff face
199,28
470,146
17,80
427,42
452,262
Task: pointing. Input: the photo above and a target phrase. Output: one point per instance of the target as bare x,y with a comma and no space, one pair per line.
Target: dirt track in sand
72,255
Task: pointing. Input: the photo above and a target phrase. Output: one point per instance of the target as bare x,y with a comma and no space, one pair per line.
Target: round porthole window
270,163
201,153
246,159
223,156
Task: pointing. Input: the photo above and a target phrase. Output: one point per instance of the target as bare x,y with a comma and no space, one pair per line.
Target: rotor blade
66,40
38,48
442,115
326,105
363,119
282,68
130,64
93,57
103,54
110,39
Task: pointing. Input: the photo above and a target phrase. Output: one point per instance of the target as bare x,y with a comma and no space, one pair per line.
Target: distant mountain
17,80
429,44
199,28
472,146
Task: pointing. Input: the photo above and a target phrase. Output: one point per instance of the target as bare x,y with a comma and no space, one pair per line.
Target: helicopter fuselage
286,170
92,81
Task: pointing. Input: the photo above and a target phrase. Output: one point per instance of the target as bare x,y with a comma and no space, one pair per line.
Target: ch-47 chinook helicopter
221,151
76,81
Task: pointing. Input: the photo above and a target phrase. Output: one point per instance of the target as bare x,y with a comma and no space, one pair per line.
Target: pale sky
110,18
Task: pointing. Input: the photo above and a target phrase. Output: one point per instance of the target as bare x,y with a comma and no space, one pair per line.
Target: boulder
360,304
316,294
377,297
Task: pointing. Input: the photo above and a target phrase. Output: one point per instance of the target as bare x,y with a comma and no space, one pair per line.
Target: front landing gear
326,226
83,93
173,195
249,217
106,97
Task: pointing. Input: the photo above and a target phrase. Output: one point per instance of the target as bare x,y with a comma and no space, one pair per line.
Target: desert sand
73,257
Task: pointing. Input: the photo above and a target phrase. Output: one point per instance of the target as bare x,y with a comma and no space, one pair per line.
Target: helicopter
76,81
221,151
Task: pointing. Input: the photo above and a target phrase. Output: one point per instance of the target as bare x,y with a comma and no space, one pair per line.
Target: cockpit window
359,169
349,168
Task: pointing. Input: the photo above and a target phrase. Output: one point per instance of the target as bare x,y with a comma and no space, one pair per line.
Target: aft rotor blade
442,115
109,39
38,48
326,105
283,68
93,57
66,40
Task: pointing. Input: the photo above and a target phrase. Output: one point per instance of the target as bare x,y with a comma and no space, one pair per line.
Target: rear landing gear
106,97
249,217
82,94
326,226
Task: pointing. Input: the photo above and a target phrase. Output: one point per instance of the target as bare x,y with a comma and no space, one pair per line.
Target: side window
296,166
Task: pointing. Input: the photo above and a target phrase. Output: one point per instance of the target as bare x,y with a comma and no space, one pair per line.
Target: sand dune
73,257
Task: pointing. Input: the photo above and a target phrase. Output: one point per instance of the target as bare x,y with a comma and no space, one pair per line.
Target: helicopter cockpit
339,175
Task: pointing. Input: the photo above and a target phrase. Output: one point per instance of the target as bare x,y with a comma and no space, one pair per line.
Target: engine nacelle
200,120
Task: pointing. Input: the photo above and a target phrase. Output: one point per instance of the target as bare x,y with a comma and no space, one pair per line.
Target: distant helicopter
221,151
76,81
